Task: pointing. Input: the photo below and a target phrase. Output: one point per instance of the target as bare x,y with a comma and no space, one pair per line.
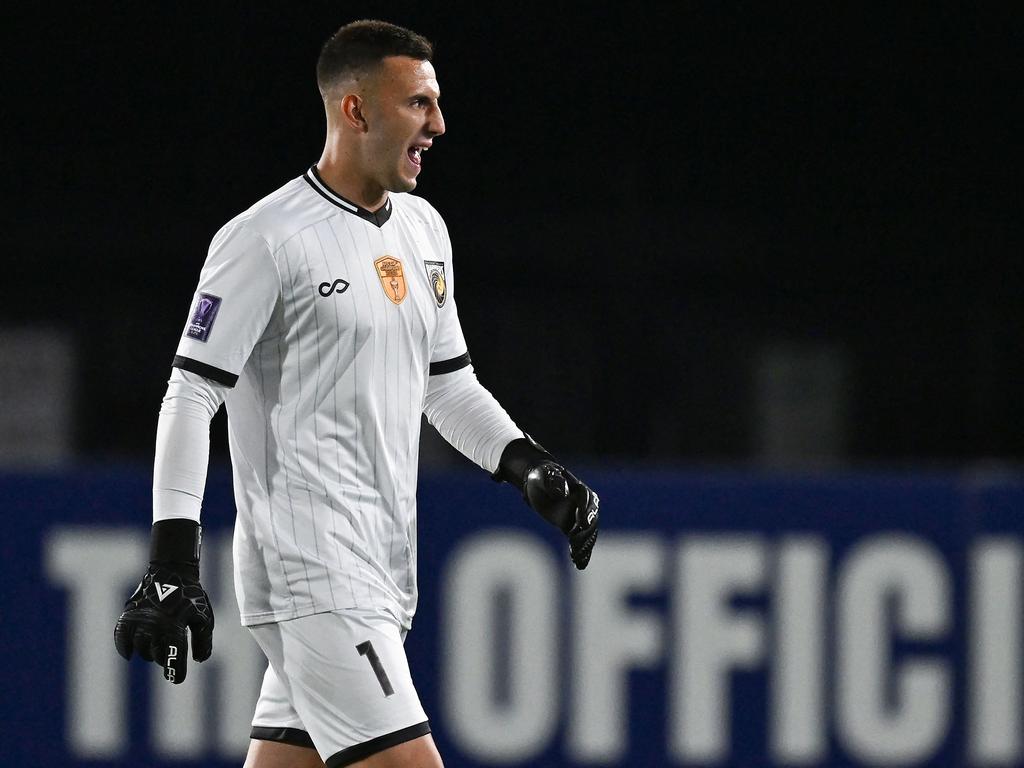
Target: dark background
640,199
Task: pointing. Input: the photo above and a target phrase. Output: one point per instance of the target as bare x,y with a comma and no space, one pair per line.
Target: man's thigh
418,753
274,754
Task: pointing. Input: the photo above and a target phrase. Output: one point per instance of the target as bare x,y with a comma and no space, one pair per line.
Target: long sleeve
183,444
469,417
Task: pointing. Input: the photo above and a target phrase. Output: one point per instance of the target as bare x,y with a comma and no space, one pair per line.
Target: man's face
403,118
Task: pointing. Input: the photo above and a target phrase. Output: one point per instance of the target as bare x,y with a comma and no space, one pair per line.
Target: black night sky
642,199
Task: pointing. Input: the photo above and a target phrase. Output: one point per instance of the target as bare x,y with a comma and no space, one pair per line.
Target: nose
435,121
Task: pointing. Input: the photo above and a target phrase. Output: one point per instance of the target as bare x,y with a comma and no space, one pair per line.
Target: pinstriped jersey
326,320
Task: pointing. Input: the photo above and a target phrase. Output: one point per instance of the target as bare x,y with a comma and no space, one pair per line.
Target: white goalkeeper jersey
327,320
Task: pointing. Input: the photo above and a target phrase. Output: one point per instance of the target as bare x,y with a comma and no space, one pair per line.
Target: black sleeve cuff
447,366
207,371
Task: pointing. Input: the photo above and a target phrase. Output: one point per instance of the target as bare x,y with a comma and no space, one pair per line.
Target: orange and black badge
392,279
435,274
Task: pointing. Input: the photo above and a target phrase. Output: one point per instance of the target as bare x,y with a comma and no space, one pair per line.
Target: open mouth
415,155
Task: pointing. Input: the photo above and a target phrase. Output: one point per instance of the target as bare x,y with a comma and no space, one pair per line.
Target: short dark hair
362,45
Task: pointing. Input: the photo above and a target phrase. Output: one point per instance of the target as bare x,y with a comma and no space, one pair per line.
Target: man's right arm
170,601
239,288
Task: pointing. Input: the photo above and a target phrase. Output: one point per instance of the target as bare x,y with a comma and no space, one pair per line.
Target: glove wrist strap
175,544
518,458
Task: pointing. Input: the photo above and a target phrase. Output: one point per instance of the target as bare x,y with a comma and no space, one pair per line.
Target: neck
342,172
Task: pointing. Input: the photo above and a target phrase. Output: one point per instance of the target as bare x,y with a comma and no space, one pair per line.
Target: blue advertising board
727,618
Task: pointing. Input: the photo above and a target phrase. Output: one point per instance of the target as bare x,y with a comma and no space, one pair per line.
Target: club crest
435,274
392,278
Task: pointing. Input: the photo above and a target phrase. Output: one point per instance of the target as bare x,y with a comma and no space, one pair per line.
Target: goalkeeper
324,319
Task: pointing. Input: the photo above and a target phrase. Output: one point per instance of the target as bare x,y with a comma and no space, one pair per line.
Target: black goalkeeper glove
169,601
554,493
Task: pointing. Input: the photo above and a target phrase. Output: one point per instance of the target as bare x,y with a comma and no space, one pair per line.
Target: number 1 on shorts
366,649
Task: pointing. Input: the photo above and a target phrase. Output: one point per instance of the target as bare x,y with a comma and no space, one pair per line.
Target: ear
351,108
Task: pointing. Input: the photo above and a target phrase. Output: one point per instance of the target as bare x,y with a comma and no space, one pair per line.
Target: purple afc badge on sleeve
205,312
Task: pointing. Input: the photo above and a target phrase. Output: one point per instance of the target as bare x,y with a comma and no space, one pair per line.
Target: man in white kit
324,319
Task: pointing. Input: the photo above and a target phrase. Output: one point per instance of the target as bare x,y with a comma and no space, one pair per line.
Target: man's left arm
469,417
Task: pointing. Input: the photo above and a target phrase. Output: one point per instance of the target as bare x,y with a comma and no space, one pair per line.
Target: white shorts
338,682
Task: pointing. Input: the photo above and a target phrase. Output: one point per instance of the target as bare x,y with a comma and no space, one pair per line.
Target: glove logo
172,656
163,590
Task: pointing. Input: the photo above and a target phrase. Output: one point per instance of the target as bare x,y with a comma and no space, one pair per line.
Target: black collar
378,217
